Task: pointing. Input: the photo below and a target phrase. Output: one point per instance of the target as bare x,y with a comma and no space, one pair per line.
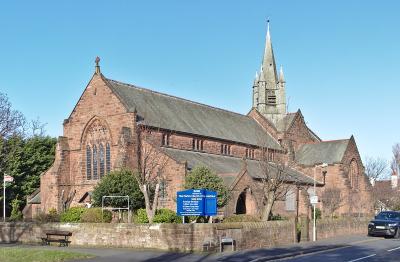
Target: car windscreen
388,216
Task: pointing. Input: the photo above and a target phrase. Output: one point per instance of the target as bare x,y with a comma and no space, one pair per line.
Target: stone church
112,123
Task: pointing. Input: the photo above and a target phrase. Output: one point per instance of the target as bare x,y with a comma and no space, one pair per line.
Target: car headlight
371,224
392,225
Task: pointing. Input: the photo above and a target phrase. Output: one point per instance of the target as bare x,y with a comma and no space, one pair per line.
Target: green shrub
118,183
165,215
162,215
16,214
241,218
141,216
52,216
73,214
202,177
93,215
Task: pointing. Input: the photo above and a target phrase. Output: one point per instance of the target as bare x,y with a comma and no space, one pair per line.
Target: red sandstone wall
184,237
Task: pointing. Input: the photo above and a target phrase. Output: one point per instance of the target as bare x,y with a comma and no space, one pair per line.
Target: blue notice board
196,202
190,202
210,205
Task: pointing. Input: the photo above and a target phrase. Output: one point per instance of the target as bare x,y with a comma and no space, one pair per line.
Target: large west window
98,150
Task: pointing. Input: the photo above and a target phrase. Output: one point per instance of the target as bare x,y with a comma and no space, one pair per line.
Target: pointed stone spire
256,79
281,76
97,68
268,63
261,76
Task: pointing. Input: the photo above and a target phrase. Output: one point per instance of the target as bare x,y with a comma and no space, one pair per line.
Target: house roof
181,115
34,198
329,152
228,167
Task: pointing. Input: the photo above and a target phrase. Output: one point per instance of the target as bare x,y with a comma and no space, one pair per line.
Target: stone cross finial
97,65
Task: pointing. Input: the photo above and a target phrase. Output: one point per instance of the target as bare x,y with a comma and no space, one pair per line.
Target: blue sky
341,58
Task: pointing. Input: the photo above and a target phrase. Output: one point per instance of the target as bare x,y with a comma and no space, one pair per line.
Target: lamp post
315,200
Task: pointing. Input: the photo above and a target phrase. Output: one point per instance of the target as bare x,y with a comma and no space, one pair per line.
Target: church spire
268,63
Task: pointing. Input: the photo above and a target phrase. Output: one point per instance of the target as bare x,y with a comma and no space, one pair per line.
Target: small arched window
101,158
108,159
88,163
95,175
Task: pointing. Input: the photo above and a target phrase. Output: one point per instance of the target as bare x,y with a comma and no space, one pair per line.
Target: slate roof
35,198
181,115
284,123
329,152
228,167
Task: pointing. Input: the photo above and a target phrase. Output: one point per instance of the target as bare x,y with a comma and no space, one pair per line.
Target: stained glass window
108,158
101,160
88,163
95,175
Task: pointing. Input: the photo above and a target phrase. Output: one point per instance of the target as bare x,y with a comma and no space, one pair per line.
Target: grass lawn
13,254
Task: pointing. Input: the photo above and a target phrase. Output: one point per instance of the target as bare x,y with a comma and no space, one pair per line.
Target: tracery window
108,159
98,150
88,163
95,176
101,160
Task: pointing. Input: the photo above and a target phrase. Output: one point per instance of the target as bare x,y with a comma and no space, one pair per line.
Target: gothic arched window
354,174
101,160
88,163
108,158
95,176
96,140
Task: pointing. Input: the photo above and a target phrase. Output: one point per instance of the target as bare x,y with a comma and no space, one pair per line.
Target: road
347,249
366,250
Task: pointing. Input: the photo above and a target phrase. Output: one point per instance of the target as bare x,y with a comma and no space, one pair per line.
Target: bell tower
269,96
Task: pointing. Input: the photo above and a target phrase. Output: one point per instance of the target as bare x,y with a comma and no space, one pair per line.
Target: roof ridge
176,97
201,152
335,140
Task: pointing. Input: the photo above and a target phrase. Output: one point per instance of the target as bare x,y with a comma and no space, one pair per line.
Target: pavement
347,248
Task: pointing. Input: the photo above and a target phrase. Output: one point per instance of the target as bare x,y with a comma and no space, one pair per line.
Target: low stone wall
183,237
327,228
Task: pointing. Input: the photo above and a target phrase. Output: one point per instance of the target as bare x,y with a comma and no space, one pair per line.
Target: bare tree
37,128
332,200
11,121
152,163
396,158
276,181
376,168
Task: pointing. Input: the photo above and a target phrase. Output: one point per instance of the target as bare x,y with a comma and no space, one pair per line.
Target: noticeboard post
196,202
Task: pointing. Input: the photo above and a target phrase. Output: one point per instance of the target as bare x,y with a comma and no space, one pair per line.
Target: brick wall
183,237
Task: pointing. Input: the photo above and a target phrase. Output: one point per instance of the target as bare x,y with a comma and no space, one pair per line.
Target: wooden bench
60,237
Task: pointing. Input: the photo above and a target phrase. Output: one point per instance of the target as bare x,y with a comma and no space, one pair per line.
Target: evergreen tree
203,178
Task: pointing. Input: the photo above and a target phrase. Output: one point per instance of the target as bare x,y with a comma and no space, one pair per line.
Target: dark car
386,223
